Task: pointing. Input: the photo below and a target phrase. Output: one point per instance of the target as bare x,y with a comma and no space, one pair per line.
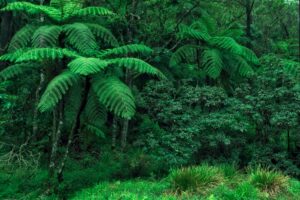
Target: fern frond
40,54
227,43
46,36
212,62
103,33
92,11
249,55
15,70
22,38
74,98
81,38
115,95
185,53
94,112
86,66
190,33
34,9
13,56
95,130
56,89
137,65
244,69
127,49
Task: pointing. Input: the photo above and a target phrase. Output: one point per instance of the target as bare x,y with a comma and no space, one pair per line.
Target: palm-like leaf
184,53
212,62
15,70
127,49
31,8
103,33
92,11
56,89
81,37
39,54
115,95
46,36
21,38
137,65
87,66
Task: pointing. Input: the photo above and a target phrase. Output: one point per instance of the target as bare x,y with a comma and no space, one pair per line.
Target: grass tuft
270,181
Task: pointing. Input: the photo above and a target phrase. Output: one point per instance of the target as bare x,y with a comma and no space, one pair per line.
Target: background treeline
100,90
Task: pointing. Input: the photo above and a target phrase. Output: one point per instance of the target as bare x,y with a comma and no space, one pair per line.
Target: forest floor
185,184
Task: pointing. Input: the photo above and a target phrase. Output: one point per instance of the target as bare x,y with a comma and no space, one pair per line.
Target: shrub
269,181
195,179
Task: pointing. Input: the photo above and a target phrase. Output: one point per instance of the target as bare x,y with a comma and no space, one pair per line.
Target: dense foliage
193,96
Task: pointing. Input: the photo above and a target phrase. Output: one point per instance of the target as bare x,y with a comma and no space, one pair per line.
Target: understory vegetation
158,99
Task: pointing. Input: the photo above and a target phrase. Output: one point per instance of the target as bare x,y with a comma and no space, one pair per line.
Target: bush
270,181
195,179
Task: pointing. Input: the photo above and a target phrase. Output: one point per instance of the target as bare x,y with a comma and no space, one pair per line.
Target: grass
200,183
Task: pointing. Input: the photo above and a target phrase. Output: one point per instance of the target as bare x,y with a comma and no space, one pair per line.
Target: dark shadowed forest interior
149,100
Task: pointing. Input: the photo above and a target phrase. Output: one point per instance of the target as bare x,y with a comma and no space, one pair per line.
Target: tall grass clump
270,181
200,179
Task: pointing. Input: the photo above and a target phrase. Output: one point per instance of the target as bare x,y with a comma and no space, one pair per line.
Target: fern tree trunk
128,75
54,147
6,30
114,132
75,129
249,8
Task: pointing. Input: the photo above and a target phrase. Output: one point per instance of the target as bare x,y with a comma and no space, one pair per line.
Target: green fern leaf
92,11
15,70
21,39
127,49
13,56
87,66
40,54
81,38
104,34
184,53
190,33
212,62
227,43
137,65
244,68
30,8
46,36
115,95
56,89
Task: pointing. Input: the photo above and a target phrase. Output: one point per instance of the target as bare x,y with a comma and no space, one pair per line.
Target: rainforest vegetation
149,99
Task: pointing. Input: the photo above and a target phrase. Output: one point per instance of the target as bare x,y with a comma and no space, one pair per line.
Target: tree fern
81,37
21,38
87,66
92,11
244,69
115,95
127,49
13,56
103,33
56,89
46,36
31,8
39,54
137,65
15,70
187,32
212,62
184,53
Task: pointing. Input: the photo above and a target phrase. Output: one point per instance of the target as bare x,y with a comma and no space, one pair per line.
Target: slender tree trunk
124,133
37,99
54,146
114,132
249,7
75,129
288,141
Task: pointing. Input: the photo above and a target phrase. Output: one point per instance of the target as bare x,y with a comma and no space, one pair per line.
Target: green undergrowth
205,182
